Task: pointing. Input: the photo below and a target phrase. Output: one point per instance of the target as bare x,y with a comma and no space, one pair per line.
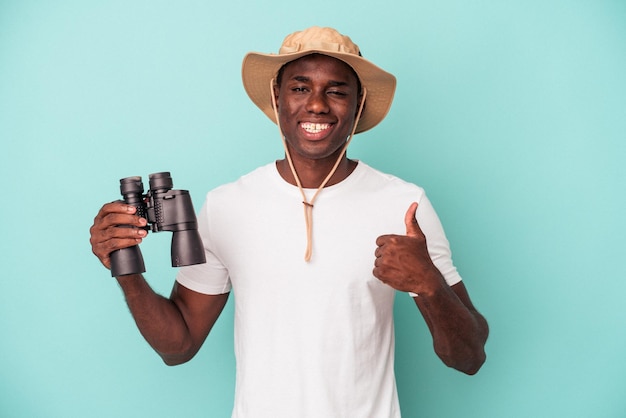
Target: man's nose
318,103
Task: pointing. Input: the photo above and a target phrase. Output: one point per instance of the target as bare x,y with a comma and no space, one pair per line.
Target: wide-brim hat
258,69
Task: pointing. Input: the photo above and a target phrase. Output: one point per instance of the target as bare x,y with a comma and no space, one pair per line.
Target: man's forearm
159,320
459,332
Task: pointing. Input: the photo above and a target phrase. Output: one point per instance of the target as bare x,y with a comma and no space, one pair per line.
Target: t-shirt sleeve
438,245
212,277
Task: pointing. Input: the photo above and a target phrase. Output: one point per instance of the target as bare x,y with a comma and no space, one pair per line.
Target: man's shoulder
382,180
263,174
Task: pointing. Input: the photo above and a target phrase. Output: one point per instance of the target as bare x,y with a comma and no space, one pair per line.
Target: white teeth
314,128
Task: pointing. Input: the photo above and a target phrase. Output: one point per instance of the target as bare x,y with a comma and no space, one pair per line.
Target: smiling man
314,294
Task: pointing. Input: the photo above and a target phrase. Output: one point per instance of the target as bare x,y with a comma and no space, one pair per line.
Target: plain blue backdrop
512,115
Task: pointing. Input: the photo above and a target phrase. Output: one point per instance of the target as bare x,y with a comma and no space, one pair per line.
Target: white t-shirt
312,339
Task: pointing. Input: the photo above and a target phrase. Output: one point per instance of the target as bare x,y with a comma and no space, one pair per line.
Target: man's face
317,103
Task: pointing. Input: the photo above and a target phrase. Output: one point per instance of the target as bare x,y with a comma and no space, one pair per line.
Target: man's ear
360,99
275,92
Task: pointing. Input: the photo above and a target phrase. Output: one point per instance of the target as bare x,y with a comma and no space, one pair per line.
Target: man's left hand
403,262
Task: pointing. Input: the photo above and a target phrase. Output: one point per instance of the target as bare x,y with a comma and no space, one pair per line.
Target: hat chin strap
308,204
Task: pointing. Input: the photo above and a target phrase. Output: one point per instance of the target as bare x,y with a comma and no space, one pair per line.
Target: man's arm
459,331
174,327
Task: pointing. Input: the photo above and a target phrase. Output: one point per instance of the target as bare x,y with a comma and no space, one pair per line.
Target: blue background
512,115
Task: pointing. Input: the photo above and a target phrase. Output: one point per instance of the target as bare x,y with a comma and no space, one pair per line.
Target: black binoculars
165,210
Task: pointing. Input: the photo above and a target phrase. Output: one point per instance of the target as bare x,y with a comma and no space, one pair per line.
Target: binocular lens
161,181
131,185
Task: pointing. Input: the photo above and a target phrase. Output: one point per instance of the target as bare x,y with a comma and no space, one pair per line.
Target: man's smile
314,128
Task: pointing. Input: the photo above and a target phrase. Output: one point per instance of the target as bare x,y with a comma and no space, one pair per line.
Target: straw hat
258,69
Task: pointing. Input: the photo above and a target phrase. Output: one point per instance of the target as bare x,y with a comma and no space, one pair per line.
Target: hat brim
258,69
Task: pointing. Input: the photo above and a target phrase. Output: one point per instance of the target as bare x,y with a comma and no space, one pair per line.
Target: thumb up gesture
403,262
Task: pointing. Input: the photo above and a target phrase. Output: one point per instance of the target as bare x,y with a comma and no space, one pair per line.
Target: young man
314,293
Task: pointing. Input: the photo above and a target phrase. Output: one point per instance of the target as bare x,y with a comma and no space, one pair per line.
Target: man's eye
298,89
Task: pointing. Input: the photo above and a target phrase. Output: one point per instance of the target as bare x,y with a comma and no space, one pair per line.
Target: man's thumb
412,228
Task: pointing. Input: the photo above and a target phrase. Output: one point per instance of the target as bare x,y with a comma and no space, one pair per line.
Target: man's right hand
116,226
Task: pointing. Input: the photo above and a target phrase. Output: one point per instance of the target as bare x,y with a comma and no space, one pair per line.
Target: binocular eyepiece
165,210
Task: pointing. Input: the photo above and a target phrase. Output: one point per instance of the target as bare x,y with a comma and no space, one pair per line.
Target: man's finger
412,228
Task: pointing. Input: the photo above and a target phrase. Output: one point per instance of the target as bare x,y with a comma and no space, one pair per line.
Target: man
313,334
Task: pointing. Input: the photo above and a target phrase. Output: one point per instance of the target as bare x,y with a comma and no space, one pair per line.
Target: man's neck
313,172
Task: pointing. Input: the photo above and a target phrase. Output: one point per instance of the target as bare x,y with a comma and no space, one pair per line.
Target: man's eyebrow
301,78
333,83
337,83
